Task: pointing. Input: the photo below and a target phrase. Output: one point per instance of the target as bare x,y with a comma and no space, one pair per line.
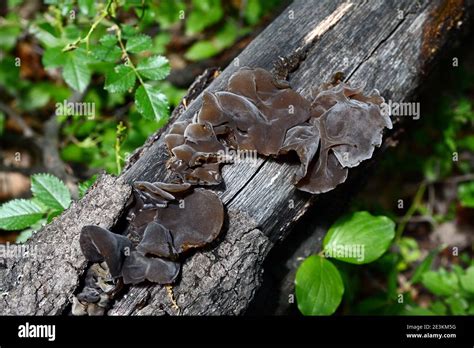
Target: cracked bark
365,40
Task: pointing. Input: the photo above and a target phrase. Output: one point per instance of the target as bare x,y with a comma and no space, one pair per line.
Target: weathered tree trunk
388,45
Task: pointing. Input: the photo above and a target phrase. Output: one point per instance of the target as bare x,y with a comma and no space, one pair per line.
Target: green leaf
120,79
8,35
467,280
76,72
204,14
466,194
319,287
53,57
201,50
154,67
440,283
138,43
423,267
2,122
50,191
19,214
457,305
359,238
86,7
107,49
151,103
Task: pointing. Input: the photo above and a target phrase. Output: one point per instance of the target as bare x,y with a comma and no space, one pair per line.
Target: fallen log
388,45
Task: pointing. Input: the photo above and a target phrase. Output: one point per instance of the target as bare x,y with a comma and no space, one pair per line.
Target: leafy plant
356,239
50,198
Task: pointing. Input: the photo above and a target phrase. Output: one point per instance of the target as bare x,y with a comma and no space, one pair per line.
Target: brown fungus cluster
335,131
165,220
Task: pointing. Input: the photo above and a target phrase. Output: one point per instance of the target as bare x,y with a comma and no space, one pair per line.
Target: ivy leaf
319,287
151,103
120,79
154,67
19,214
50,191
440,283
76,72
138,43
359,238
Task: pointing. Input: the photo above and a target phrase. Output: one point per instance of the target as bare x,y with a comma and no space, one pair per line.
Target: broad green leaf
51,191
440,283
439,308
201,50
151,103
466,194
467,280
120,79
138,43
457,305
423,267
154,67
76,72
319,287
204,14
359,238
19,214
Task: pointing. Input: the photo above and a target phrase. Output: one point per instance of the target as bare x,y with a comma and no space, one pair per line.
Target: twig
27,131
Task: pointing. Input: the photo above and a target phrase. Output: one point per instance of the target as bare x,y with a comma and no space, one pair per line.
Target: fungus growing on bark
195,153
195,222
138,268
98,244
254,113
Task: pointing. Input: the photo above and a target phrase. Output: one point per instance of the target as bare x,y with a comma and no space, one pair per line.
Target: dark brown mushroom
195,153
195,221
138,268
255,113
157,240
98,244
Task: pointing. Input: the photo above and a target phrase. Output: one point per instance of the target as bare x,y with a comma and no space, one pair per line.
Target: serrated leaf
76,72
53,57
359,238
107,49
51,191
151,103
154,67
138,43
120,79
319,287
19,214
